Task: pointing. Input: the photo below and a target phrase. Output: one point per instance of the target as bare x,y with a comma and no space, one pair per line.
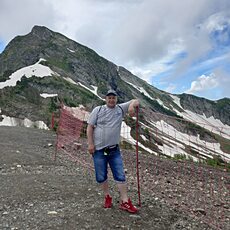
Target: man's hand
91,149
132,107
131,112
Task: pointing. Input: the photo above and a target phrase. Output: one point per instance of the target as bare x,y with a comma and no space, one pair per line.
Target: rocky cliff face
218,109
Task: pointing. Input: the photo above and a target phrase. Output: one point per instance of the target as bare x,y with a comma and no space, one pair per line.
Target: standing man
103,133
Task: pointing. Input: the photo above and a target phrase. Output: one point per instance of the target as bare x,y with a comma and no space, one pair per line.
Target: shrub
215,161
180,157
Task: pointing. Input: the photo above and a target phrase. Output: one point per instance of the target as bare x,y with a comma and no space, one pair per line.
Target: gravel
40,193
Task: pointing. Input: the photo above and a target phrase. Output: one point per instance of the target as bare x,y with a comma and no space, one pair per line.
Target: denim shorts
114,160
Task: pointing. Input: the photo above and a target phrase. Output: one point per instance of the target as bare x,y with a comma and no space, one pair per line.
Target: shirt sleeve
125,106
92,120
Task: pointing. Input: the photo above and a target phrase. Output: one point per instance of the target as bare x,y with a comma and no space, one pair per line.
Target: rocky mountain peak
41,32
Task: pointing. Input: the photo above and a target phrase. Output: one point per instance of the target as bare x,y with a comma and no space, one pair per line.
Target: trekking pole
137,160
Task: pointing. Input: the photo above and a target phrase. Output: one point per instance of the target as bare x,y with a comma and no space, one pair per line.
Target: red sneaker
108,201
128,206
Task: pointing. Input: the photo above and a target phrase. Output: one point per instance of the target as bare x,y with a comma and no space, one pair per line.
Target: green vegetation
61,63
53,105
141,117
216,162
69,102
224,143
6,75
158,108
222,103
194,129
130,122
51,45
182,157
146,133
55,128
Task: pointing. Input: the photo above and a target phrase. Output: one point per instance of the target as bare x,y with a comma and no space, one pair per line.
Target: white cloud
140,31
217,21
144,36
170,88
167,63
224,82
203,83
18,17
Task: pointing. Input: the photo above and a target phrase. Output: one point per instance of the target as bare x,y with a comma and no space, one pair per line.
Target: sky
176,46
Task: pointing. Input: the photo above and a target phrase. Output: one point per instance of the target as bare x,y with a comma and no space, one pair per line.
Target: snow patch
176,100
209,123
72,51
94,91
125,134
45,95
70,80
141,89
12,121
203,147
143,137
36,70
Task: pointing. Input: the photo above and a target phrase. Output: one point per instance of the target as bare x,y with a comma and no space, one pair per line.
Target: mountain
42,69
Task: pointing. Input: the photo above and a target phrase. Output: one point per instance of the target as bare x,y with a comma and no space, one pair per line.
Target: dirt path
38,193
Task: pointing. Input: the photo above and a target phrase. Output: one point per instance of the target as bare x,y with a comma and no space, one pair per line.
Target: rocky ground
40,193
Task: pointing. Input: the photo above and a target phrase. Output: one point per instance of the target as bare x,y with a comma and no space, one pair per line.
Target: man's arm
91,147
131,110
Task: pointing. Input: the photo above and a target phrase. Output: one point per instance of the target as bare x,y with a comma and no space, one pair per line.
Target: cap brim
111,94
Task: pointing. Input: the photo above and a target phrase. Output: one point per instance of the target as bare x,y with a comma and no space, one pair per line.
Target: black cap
111,92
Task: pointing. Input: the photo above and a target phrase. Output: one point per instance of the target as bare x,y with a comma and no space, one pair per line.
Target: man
103,133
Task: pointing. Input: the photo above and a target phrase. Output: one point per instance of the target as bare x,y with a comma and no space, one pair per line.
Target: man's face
111,101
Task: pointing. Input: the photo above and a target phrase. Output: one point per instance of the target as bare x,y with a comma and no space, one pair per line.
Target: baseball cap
111,92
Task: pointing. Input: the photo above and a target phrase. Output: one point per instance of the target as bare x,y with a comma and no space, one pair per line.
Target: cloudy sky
177,46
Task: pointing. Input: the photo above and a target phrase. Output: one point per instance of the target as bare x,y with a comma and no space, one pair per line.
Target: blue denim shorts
114,160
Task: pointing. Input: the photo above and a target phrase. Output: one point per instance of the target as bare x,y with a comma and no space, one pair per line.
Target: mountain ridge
79,76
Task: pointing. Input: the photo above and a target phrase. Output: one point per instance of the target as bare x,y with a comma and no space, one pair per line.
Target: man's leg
123,191
108,199
105,187
116,165
101,165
